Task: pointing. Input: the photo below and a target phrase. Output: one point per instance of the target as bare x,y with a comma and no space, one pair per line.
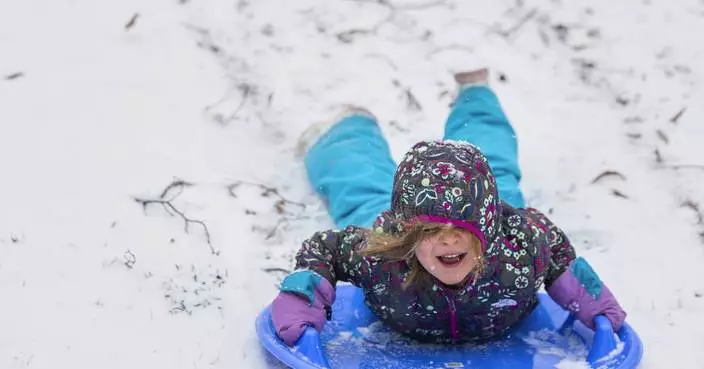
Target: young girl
457,256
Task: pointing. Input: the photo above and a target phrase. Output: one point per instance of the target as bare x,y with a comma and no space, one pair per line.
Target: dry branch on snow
165,199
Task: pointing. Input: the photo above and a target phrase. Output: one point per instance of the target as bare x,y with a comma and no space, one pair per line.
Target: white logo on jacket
504,303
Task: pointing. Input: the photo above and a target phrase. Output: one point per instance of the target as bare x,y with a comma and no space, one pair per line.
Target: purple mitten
304,300
580,291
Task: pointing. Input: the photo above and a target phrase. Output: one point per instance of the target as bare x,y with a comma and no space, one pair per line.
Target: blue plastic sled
355,338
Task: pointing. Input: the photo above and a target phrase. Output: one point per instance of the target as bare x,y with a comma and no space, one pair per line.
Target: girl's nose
450,238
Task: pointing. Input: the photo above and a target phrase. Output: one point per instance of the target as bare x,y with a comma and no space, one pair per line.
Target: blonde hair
403,246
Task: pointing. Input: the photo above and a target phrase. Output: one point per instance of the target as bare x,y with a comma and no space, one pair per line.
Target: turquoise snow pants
350,166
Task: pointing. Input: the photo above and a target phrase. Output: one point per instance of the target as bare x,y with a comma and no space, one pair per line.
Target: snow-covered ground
106,103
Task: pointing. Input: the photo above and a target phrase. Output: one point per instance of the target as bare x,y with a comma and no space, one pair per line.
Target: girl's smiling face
448,254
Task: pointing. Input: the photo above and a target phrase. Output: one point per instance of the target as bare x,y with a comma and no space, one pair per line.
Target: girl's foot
478,77
313,133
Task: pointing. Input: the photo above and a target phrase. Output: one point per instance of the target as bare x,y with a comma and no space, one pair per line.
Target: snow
570,362
569,348
94,114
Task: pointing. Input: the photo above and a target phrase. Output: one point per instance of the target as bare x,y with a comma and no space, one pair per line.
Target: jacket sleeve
326,258
334,255
571,282
557,253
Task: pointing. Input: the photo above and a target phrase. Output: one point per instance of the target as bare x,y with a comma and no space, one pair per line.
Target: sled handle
604,341
309,345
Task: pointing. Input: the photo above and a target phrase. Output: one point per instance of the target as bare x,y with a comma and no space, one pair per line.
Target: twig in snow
700,216
543,37
272,231
206,41
176,184
440,49
179,306
658,156
618,193
686,166
586,68
267,191
279,205
623,101
411,100
132,21
608,173
419,6
413,103
346,37
217,103
246,90
275,269
166,202
15,75
17,239
562,31
384,58
267,30
241,4
199,30
695,208
392,6
378,2
662,136
210,46
396,125
633,120
517,27
677,116
130,259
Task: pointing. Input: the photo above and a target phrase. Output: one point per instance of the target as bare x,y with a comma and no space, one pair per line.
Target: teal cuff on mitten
302,283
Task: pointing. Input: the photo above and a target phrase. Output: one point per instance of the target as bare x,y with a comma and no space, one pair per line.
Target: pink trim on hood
457,223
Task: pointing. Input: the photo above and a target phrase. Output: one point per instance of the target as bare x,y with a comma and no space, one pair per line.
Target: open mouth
451,259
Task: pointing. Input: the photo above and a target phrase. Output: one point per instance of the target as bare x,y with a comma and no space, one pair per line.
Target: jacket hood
445,182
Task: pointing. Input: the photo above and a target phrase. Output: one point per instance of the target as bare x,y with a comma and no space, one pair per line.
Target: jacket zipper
454,331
